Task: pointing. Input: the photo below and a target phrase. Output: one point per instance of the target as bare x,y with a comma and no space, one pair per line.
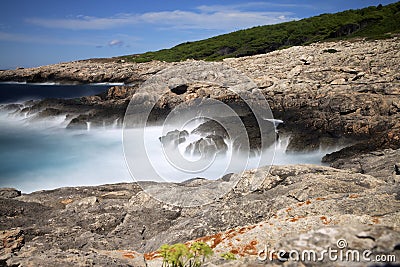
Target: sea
42,155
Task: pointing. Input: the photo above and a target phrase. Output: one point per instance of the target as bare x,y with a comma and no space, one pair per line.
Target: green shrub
371,22
180,255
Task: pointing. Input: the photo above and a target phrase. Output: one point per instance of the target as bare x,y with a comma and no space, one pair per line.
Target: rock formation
319,94
323,92
296,207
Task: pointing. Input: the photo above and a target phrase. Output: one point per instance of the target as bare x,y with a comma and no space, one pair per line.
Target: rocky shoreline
324,93
296,207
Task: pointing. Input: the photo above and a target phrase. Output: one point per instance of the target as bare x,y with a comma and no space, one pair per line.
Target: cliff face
322,92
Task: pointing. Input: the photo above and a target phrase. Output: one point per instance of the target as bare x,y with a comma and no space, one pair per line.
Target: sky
41,32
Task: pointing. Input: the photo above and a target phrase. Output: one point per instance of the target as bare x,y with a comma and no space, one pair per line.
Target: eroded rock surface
115,224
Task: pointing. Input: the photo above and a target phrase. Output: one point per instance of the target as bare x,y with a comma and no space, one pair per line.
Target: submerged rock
174,138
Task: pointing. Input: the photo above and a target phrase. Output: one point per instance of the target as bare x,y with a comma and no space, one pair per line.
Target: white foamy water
36,155
45,155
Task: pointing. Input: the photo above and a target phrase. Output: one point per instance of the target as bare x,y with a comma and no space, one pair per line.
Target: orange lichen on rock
354,196
234,251
325,220
320,198
151,255
128,254
245,250
295,219
250,249
375,220
246,229
230,238
212,240
307,202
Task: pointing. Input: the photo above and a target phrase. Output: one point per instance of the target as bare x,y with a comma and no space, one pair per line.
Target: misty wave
42,154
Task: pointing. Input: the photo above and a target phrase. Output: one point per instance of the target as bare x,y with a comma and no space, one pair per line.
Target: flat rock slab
122,225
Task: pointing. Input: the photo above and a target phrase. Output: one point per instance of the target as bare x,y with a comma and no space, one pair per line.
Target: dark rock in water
9,193
240,136
310,141
79,123
11,107
48,112
211,144
175,137
219,142
211,127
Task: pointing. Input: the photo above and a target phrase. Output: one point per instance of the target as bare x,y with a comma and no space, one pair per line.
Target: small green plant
180,255
200,251
229,256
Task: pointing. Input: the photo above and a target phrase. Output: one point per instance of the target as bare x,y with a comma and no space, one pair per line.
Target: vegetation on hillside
371,22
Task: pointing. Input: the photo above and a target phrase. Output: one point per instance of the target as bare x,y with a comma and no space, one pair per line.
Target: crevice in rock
180,89
294,197
366,237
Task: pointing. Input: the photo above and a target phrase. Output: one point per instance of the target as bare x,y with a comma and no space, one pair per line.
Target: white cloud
249,6
116,43
215,17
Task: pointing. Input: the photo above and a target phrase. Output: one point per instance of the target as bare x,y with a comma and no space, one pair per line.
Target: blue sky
40,32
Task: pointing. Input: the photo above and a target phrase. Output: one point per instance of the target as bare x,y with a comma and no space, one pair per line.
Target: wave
42,154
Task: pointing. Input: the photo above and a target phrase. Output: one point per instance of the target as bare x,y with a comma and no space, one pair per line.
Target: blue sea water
37,155
11,92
